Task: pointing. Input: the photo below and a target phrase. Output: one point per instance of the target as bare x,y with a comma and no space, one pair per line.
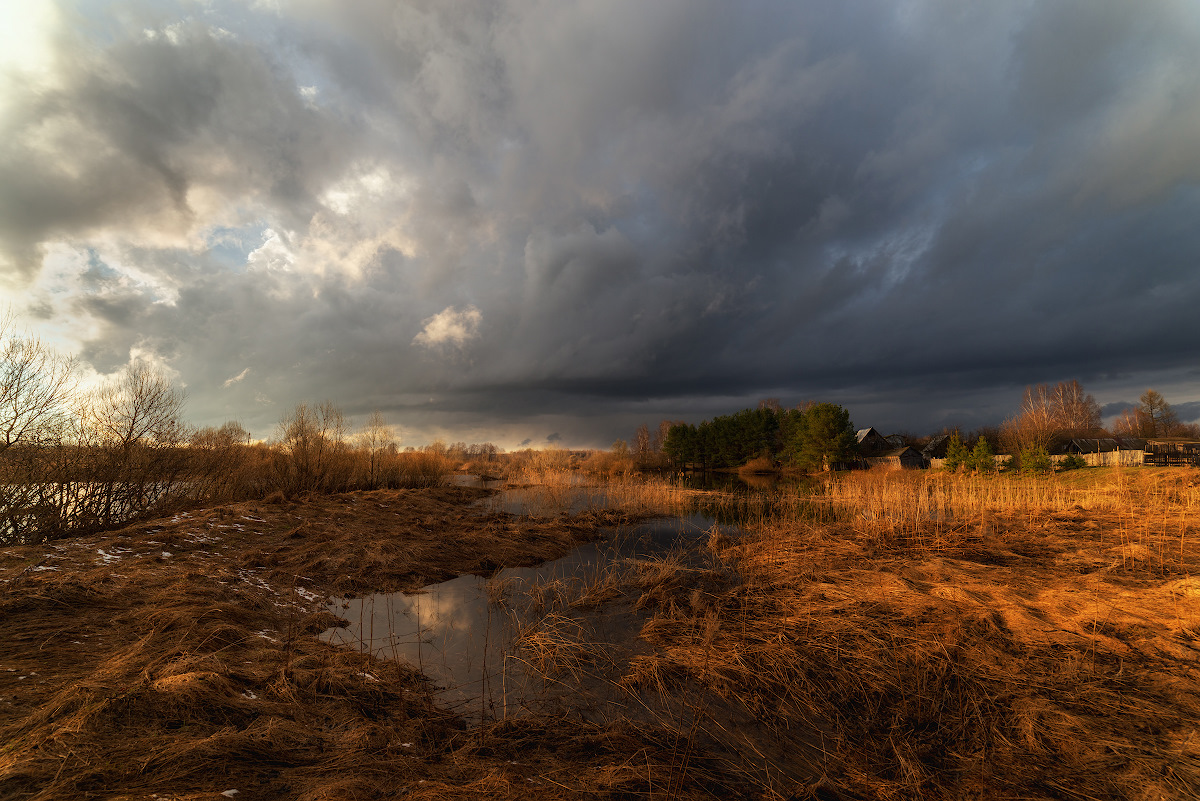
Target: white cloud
274,254
450,327
231,381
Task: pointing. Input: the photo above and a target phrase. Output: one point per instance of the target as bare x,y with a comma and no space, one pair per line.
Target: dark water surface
469,644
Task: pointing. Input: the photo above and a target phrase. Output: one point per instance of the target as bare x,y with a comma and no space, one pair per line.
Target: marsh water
475,637
544,640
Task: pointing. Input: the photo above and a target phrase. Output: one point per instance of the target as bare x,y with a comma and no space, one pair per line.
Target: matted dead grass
1004,640
1042,644
178,660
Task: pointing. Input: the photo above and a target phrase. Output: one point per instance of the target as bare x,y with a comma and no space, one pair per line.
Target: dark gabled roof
1064,441
871,441
936,448
894,453
1105,444
863,433
1098,445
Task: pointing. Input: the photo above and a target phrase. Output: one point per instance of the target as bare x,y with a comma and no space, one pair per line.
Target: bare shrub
131,432
311,450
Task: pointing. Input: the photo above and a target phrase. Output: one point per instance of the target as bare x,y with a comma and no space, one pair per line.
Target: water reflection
471,635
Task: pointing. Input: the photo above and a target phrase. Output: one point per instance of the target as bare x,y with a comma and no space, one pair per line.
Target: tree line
812,436
1049,413
817,436
75,460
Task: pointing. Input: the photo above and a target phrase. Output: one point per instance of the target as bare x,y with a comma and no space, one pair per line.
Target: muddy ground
179,659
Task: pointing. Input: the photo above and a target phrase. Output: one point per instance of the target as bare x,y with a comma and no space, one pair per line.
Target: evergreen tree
1036,459
981,458
826,437
956,453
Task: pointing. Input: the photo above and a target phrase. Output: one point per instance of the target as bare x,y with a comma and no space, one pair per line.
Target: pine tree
981,459
956,453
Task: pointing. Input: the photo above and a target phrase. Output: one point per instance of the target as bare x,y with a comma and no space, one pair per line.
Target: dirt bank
177,659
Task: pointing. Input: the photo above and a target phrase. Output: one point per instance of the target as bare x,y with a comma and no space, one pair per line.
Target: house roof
1066,440
1097,445
863,433
871,441
1106,444
893,453
936,447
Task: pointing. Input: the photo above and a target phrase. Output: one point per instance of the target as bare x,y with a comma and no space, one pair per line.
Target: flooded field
471,635
875,635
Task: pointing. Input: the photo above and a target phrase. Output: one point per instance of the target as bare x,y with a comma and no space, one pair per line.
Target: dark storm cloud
533,211
131,129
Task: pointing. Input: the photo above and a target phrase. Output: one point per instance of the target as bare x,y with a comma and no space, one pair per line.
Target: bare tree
1047,411
37,393
376,440
312,442
660,436
1159,419
1154,417
1035,423
1074,409
131,430
1128,423
37,387
139,407
218,462
641,441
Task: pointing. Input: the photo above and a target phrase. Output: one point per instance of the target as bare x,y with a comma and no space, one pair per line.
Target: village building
936,448
905,458
1172,451
876,450
871,442
1100,449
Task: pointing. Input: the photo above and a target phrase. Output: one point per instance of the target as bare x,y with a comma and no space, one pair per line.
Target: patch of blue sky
98,272
230,247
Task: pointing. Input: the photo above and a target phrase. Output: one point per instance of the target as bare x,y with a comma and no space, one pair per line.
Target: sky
538,222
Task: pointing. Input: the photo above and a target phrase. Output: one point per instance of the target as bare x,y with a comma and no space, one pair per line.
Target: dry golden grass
179,658
946,636
921,635
883,636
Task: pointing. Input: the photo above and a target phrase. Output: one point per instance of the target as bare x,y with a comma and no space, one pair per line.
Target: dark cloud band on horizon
515,211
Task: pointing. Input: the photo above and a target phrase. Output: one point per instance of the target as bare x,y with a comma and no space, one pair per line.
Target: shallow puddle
475,637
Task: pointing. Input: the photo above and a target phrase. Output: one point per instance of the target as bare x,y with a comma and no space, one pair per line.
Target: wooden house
1106,450
936,447
906,458
871,442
